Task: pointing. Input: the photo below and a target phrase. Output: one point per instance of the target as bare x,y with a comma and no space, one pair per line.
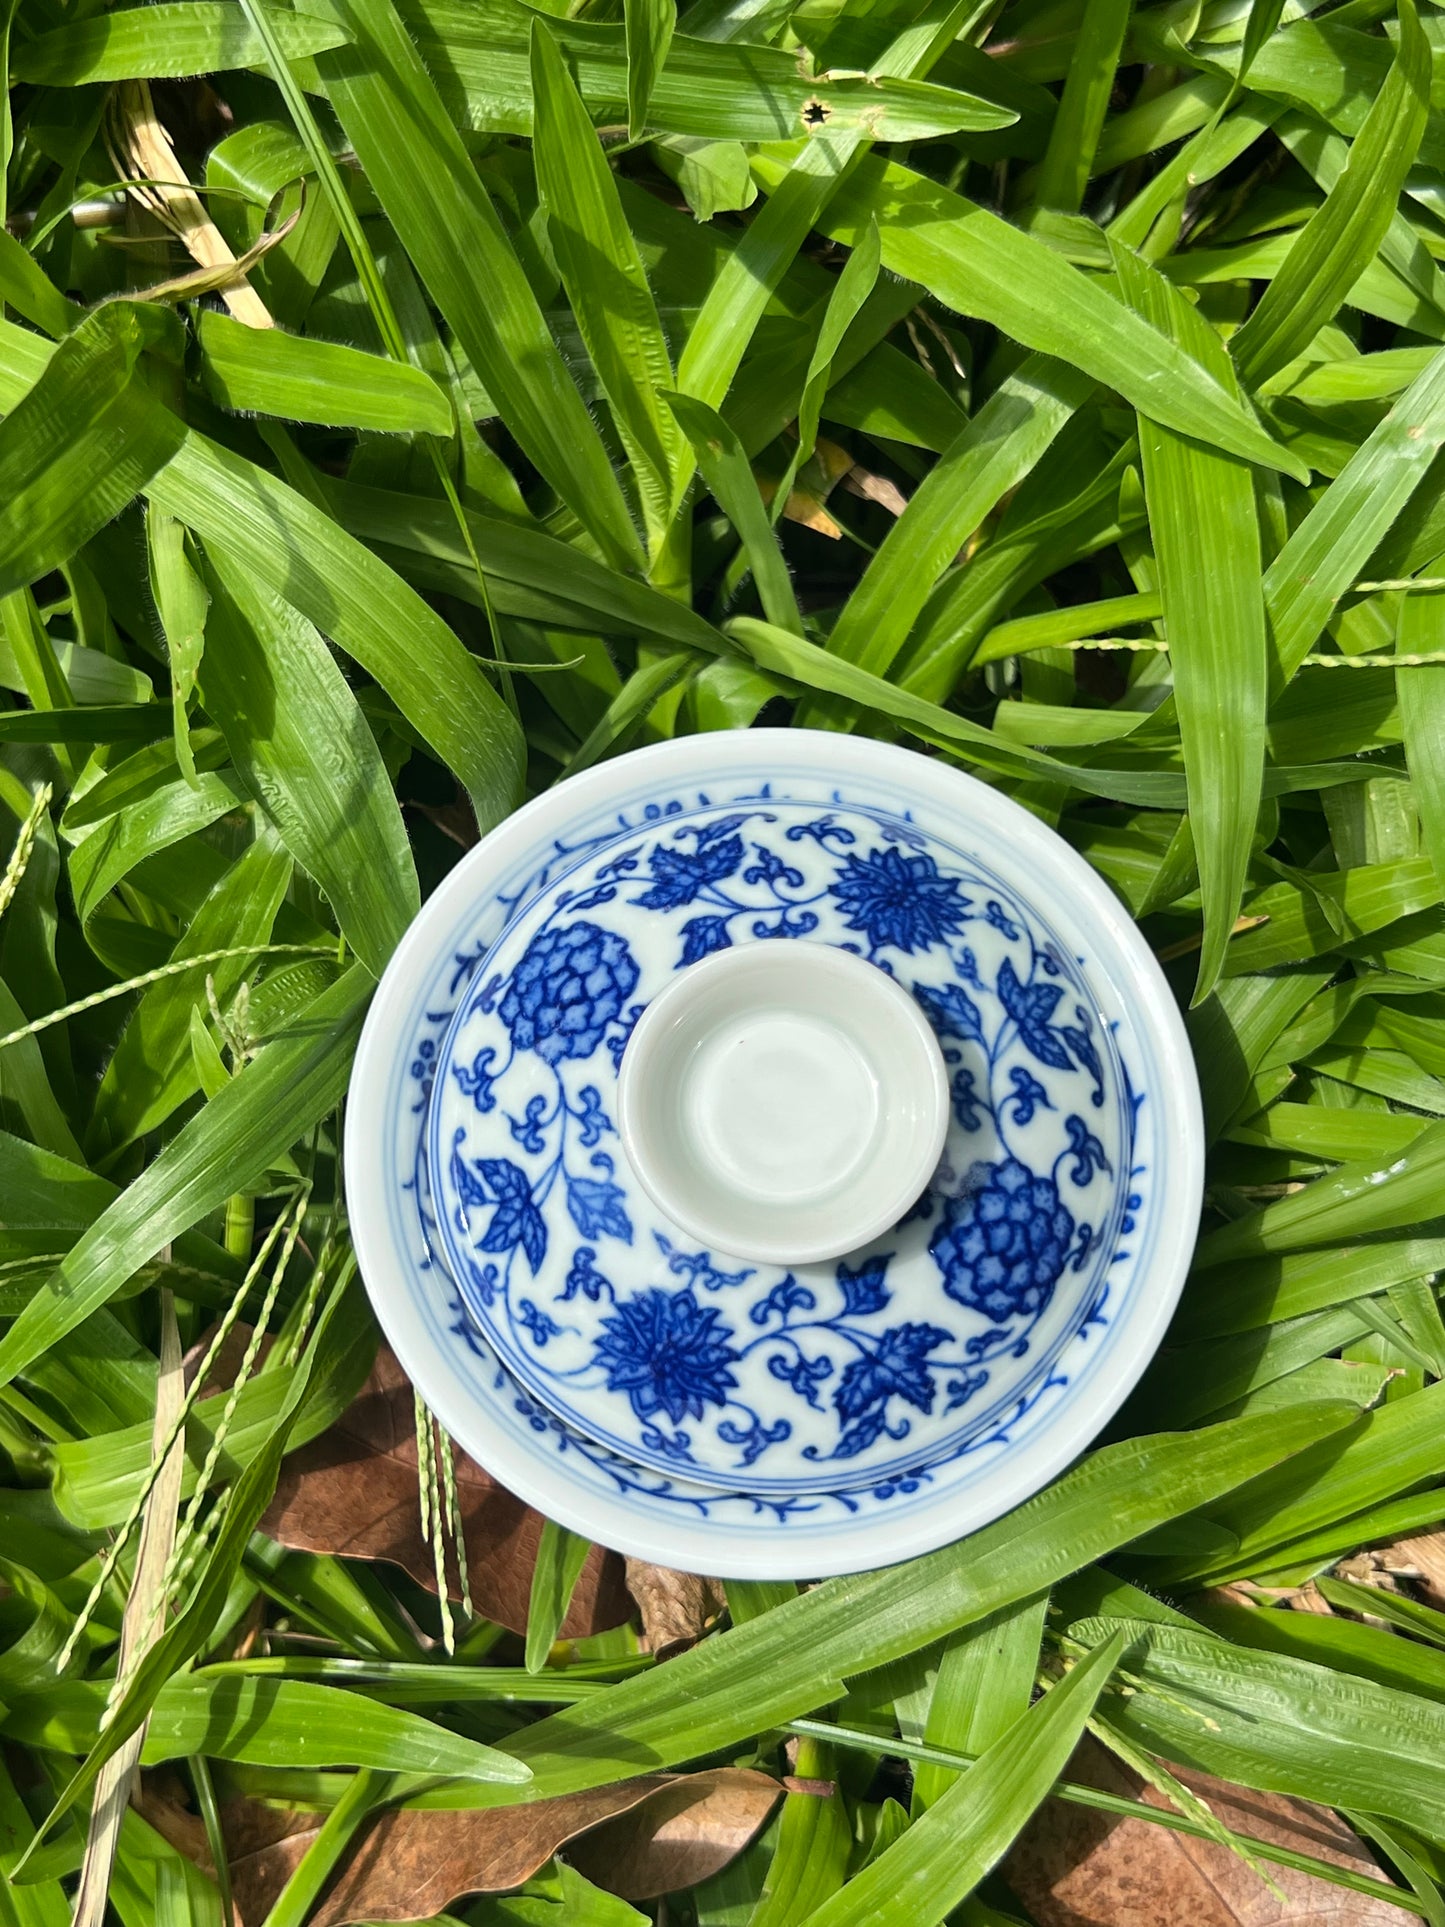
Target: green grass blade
796,1656
79,446
1003,443
279,1095
606,283
1337,244
1421,693
977,264
1205,525
852,289
1326,552
649,26
425,180
729,476
168,41
966,1832
263,373
1069,157
709,90
561,1556
304,750
150,1072
985,1682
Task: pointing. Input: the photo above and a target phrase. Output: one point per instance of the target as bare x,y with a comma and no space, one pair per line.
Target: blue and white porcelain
737,1414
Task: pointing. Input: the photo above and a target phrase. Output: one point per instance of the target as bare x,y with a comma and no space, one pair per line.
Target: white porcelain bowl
635,1378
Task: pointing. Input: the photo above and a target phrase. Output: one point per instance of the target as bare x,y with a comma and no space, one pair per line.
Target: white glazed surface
684,1522
783,1102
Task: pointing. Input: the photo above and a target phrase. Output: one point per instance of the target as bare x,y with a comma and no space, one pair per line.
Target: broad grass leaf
561,1556
304,749
854,285
1334,247
729,476
1282,1724
649,26
796,1656
297,379
1270,1289
1355,1199
181,602
970,1826
1002,444
279,1095
1422,711
985,1683
151,1072
1330,547
414,158
79,445
1205,525
814,1843
299,553
605,282
709,89
979,265
1068,159
167,41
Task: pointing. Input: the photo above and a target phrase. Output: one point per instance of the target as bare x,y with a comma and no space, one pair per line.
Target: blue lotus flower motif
570,985
668,1353
900,900
1002,1245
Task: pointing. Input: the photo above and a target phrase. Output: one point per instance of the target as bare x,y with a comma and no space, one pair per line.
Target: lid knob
785,1102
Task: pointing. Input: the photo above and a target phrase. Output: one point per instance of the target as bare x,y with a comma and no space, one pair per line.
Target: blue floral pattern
745,1376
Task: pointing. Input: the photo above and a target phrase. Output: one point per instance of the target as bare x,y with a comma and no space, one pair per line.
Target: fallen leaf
875,488
682,1835
1076,1867
1422,1561
676,1607
410,1864
353,1492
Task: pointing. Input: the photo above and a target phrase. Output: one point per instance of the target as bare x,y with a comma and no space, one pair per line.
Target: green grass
609,343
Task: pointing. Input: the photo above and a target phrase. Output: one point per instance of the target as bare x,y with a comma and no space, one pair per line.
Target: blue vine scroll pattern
751,1377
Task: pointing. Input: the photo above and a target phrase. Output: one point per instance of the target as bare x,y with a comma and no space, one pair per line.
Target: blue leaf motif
701,936
864,1290
516,1220
469,1188
1000,920
596,1209
678,876
1077,1037
965,1098
1031,1006
950,1010
896,1365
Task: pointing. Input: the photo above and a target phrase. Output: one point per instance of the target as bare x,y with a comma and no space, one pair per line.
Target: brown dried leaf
353,1492
683,1834
676,1607
157,181
869,487
410,1864
1076,1867
1422,1559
